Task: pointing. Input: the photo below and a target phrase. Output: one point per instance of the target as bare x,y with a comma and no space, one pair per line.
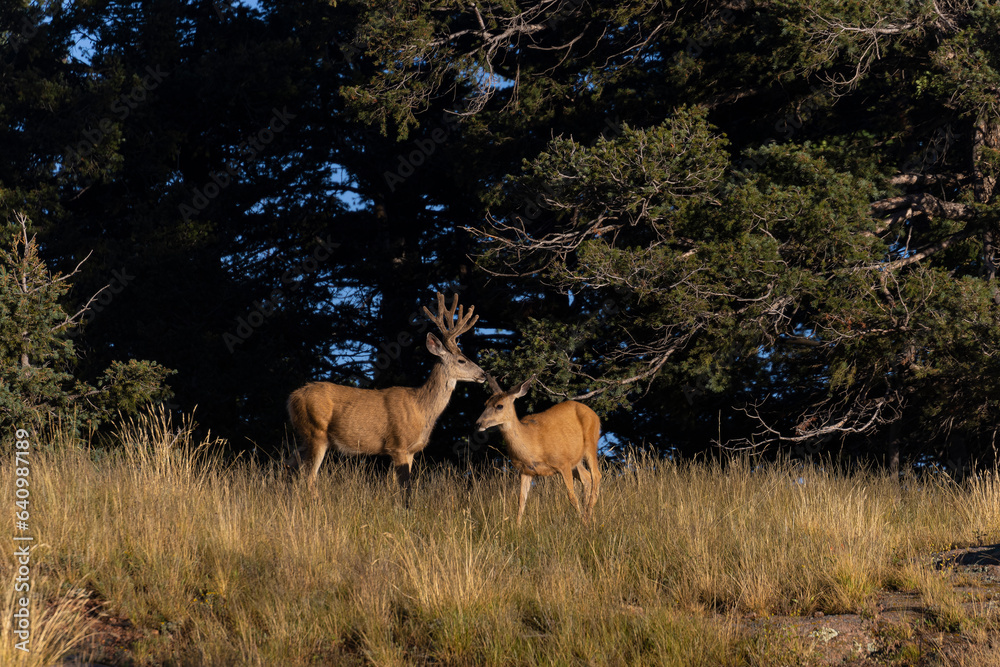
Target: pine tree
37,384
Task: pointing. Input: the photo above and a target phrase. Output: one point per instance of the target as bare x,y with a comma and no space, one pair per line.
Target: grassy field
216,565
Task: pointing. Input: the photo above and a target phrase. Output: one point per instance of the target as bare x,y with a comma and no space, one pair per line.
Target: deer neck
436,392
516,434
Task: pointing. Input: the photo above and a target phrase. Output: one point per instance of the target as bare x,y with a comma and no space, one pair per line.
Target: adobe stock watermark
391,351
472,444
935,150
120,279
246,325
28,31
700,384
808,450
695,46
958,464
409,161
22,554
792,122
533,207
120,110
348,51
225,8
249,150
563,11
788,125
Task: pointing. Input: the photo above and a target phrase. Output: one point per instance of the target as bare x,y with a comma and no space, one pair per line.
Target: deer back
558,437
357,421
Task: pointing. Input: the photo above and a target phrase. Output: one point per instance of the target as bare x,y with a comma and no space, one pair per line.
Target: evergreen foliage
38,387
763,224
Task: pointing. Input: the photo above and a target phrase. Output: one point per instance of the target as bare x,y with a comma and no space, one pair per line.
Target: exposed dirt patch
901,628
111,641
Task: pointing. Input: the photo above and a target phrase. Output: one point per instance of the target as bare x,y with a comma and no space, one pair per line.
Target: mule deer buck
558,440
396,421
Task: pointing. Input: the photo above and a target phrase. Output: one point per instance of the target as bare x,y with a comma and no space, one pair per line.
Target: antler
445,320
494,385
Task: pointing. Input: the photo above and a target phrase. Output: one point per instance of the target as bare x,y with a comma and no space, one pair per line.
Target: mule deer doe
396,421
557,440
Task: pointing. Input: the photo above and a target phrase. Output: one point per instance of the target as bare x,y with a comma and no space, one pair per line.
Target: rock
824,634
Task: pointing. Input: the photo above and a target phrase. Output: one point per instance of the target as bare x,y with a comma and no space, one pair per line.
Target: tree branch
923,180
924,203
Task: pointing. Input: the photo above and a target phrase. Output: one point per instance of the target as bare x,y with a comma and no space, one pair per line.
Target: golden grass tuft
57,627
221,565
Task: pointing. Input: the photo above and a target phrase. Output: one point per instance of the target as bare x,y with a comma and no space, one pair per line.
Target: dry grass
229,565
56,628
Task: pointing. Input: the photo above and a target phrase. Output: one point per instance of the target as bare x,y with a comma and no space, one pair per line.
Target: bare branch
71,320
924,203
925,180
819,423
924,252
649,373
76,270
866,42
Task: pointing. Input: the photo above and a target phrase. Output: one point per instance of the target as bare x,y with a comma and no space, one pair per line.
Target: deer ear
434,346
523,389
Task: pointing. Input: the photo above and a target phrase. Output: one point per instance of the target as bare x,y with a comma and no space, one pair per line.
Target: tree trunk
985,140
892,450
395,360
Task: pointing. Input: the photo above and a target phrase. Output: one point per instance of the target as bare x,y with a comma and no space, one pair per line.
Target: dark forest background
769,225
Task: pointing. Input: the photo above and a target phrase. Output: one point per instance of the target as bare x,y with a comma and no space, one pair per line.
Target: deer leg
595,474
291,462
403,465
525,488
567,475
592,438
317,447
581,473
585,479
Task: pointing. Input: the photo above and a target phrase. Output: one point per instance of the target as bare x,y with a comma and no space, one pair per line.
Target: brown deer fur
558,440
396,421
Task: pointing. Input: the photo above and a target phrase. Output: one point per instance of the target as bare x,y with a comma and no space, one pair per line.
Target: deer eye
499,407
461,361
